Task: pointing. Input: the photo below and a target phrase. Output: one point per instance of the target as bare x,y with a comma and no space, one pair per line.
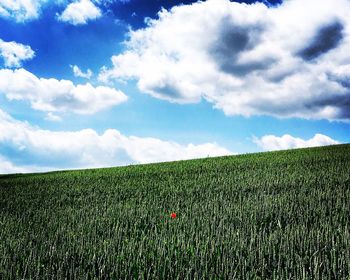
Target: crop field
277,215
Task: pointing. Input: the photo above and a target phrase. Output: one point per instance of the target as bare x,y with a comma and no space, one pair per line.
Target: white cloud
273,143
245,59
80,12
14,53
79,73
86,148
21,10
53,95
7,167
52,117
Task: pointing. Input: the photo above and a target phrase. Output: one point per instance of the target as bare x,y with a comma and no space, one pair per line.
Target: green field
277,215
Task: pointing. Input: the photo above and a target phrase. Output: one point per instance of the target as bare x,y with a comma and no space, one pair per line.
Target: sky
100,83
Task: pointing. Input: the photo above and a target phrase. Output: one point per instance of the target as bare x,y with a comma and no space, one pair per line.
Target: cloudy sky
97,83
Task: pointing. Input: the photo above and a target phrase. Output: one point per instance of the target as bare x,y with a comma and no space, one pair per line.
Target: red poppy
173,215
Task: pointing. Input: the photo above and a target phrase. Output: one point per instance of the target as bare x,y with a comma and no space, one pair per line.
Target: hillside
277,215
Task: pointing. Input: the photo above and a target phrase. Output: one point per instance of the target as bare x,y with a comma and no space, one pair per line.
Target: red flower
173,215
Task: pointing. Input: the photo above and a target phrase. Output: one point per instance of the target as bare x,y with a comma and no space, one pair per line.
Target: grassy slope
279,215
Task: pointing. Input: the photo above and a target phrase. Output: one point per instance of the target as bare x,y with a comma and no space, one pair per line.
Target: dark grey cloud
234,40
343,80
312,106
241,69
168,90
326,39
341,102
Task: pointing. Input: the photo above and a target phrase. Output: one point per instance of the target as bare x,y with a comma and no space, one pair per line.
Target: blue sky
108,82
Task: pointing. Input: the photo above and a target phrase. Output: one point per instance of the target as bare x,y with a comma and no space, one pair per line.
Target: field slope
278,215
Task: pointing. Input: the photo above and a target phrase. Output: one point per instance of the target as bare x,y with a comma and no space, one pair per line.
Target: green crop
278,215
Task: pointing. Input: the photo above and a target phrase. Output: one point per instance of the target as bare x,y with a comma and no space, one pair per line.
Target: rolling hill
276,215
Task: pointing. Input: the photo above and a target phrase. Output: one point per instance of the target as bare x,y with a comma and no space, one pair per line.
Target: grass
277,215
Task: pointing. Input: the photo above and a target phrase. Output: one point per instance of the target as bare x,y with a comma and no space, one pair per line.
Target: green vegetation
278,215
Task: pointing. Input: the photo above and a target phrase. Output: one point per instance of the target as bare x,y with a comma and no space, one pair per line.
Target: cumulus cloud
21,10
53,95
273,143
79,73
86,148
289,60
14,53
80,12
